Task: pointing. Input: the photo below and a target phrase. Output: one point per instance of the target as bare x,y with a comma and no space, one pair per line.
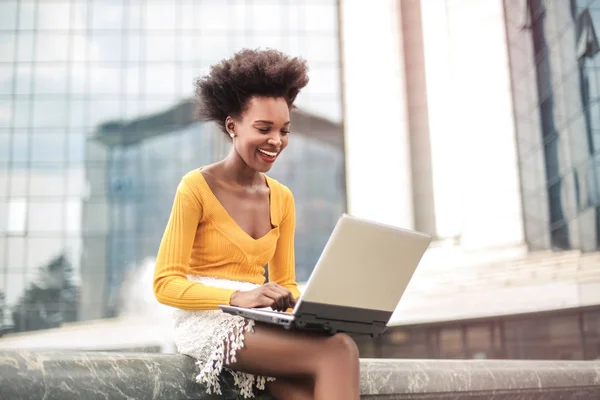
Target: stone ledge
105,375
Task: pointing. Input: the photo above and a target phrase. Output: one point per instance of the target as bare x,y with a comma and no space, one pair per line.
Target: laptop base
317,317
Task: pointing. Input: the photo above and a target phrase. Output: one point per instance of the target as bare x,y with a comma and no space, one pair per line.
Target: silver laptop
357,283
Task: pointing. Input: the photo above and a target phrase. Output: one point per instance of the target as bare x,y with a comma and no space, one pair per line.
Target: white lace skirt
213,338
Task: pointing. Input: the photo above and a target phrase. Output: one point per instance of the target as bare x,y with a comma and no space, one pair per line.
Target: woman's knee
343,345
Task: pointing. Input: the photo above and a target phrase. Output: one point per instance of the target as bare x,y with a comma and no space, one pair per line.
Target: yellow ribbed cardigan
202,239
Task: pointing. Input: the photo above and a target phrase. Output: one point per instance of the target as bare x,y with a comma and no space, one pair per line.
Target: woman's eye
263,130
285,132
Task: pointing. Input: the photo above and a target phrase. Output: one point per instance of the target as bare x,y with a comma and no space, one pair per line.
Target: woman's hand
268,295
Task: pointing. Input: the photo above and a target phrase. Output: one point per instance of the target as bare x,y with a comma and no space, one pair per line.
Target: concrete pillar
474,154
375,122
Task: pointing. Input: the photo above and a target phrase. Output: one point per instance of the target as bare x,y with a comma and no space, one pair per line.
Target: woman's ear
230,126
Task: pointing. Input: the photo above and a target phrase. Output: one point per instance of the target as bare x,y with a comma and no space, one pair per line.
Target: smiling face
261,133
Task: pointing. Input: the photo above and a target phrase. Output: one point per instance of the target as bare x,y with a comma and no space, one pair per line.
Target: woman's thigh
272,351
292,388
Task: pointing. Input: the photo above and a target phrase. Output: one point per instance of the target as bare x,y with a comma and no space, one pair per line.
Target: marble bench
106,375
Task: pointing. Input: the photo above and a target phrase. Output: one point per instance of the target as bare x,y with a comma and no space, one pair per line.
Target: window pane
82,50
77,183
160,79
160,47
7,46
24,79
213,48
27,14
53,15
3,218
48,147
49,181
24,47
5,137
2,258
50,79
107,14
19,181
265,17
132,81
6,80
321,49
15,284
212,17
45,216
186,16
75,147
187,76
80,11
79,77
187,48
105,80
160,15
135,14
17,216
22,113
20,147
49,112
6,111
78,110
108,45
8,18
133,47
451,344
320,17
73,216
479,342
324,81
52,47
592,334
564,338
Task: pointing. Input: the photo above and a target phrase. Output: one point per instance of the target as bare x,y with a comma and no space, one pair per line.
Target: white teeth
267,153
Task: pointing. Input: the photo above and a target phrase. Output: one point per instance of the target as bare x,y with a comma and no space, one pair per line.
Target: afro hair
225,91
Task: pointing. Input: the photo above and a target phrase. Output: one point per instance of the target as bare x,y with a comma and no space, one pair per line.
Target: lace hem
225,353
213,338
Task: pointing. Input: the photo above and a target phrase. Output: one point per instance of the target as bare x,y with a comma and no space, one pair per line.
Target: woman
228,221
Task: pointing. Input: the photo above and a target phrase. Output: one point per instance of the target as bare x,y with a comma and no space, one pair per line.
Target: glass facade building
554,58
95,133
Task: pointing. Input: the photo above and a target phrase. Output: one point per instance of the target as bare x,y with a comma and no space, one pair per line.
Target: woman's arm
171,286
282,267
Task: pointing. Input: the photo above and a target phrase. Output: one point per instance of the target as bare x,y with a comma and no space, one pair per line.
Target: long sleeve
282,267
171,286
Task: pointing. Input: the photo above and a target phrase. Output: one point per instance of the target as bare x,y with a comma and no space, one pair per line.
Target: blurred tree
52,298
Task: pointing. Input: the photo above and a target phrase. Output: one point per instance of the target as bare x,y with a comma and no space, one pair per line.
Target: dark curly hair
225,91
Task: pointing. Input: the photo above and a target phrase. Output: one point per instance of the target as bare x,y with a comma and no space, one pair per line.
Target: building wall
67,67
570,334
553,56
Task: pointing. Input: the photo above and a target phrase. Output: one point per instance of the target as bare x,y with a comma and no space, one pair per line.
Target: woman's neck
238,172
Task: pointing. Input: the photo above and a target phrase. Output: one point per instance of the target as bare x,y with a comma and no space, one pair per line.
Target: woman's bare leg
292,389
330,361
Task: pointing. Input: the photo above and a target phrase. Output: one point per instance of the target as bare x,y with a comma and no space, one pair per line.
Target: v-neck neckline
221,208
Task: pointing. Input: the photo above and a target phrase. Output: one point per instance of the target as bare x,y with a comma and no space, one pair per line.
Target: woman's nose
275,141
